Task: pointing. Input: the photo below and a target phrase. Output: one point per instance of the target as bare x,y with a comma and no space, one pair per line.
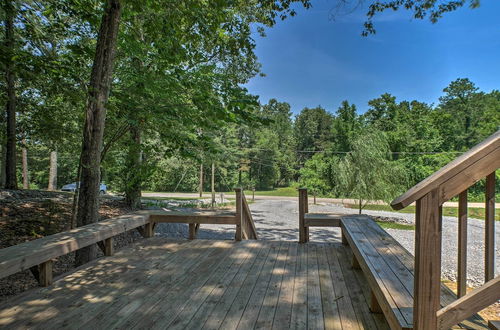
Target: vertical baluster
489,239
462,244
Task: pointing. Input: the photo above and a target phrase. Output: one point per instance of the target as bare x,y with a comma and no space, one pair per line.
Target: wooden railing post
489,239
303,209
239,214
462,244
427,262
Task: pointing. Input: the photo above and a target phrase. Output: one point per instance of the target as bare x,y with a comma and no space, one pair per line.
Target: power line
347,152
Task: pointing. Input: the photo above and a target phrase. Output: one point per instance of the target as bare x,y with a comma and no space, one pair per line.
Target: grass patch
474,212
280,192
393,225
168,198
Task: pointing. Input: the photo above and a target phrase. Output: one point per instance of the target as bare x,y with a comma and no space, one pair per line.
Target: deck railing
245,228
452,180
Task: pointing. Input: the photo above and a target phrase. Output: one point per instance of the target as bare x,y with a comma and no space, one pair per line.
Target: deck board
162,283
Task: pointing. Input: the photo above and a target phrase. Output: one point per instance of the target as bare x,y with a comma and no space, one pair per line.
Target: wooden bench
242,218
307,219
389,269
37,255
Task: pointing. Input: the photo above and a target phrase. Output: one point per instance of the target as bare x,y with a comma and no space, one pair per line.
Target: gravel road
278,220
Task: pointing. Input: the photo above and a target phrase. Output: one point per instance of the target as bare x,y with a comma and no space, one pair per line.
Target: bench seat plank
389,271
321,220
228,218
20,257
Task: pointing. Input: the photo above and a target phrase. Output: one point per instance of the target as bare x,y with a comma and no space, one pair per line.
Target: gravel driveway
278,220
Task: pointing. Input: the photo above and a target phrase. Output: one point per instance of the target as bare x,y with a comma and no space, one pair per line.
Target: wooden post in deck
462,244
489,239
427,287
239,214
303,209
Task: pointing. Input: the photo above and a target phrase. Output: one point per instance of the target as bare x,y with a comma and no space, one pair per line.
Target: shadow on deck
161,283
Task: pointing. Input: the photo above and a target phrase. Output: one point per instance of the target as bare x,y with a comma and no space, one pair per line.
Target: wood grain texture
462,244
205,217
23,256
469,304
321,220
489,238
248,224
238,218
427,262
303,230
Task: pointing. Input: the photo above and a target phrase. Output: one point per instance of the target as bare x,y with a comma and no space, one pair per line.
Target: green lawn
281,192
474,212
169,198
393,225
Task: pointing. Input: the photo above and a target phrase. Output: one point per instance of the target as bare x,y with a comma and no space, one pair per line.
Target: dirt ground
26,215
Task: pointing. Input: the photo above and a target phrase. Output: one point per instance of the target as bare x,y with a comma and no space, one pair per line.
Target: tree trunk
133,188
2,165
53,171
201,181
95,115
24,151
10,106
213,184
360,206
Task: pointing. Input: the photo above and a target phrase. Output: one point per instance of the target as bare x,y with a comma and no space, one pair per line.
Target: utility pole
201,181
213,184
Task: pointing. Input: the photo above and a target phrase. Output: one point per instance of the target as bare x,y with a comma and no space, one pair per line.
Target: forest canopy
176,102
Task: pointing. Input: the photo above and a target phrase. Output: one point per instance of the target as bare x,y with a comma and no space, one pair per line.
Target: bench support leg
344,239
374,305
45,273
148,230
106,246
192,230
355,262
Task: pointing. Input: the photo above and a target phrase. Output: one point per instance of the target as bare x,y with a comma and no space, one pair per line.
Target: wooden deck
160,283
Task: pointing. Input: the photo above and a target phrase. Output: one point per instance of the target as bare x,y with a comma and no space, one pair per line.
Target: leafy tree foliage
367,173
420,9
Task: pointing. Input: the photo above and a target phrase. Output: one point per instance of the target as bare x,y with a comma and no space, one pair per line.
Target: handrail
469,158
453,179
245,227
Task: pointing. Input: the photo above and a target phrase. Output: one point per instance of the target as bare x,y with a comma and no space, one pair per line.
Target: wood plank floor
204,284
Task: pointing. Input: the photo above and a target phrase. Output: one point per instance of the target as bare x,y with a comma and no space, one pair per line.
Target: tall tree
313,131
346,126
460,106
10,107
100,81
367,173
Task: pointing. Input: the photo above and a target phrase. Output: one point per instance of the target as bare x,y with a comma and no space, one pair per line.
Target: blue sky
312,60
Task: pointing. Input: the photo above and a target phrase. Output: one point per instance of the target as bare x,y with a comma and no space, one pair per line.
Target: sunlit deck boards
160,283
